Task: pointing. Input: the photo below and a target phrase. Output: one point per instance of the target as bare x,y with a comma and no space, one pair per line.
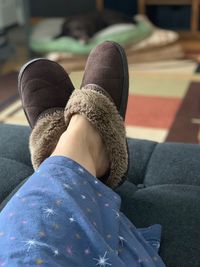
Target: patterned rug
156,106
186,125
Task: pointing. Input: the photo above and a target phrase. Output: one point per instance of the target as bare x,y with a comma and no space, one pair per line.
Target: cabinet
194,20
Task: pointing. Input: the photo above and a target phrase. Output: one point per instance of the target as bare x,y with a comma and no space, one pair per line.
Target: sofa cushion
173,163
140,152
166,163
177,209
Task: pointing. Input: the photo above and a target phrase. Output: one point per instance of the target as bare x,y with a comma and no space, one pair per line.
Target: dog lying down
83,27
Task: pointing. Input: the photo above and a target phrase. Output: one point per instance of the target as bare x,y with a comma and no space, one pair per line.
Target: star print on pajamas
66,186
39,261
49,211
56,253
30,243
71,218
87,251
81,170
102,261
122,239
69,250
117,213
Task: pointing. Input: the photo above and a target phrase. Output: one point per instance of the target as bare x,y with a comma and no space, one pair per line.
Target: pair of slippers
49,101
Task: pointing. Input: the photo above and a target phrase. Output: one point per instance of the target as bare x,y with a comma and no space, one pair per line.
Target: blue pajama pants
64,216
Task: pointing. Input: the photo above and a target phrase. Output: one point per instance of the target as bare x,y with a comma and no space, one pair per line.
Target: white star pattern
102,261
122,239
56,253
71,219
117,213
96,182
49,211
30,243
67,186
156,244
83,196
33,243
81,170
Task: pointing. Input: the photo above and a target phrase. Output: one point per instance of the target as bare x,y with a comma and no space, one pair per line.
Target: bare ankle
82,143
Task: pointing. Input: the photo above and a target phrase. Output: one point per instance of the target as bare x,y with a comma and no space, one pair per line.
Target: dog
83,27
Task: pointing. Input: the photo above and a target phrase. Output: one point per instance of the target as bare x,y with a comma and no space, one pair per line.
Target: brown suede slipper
45,136
44,88
104,116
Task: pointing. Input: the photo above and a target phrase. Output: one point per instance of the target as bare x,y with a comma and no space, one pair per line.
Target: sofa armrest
15,162
14,143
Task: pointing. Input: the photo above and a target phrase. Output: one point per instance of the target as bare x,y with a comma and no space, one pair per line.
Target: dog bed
42,39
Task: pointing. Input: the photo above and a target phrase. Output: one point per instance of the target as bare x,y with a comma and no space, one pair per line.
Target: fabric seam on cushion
17,162
147,163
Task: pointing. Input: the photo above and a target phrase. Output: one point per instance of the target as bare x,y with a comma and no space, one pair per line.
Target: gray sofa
163,186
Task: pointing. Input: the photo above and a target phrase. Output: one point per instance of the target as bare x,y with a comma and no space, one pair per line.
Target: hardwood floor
190,44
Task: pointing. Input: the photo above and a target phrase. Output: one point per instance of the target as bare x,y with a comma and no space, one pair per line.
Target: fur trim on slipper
45,136
103,114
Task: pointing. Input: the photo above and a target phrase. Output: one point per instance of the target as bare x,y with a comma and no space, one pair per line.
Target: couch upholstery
163,186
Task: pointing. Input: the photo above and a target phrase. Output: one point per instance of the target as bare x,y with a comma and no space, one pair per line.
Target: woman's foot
103,101
82,143
107,68
44,88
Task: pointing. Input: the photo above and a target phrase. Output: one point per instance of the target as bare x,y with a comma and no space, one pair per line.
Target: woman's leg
64,216
85,146
55,219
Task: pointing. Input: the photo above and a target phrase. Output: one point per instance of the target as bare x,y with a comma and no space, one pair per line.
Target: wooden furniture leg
100,5
194,16
142,7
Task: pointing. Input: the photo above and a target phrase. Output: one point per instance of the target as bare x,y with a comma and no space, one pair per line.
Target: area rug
8,89
186,124
156,94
